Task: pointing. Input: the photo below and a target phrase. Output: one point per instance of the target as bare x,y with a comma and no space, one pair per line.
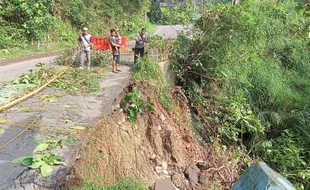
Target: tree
155,15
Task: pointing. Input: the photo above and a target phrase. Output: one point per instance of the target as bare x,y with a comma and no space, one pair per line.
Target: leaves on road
77,127
49,98
2,131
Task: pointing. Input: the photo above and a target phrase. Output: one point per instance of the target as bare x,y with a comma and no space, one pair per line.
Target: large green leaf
19,160
38,157
151,107
56,157
27,161
123,103
46,170
36,165
41,147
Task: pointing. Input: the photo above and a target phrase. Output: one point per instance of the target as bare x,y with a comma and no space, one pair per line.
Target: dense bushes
256,60
60,21
178,15
155,15
31,16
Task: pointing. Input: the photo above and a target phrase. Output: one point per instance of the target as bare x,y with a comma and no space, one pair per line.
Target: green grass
120,185
28,49
80,81
147,70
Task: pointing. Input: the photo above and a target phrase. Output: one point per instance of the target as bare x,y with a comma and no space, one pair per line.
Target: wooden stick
29,95
19,134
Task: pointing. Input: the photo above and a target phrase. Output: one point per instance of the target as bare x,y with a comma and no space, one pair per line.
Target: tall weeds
255,54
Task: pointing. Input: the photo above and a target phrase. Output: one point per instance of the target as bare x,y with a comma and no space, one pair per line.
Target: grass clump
119,185
147,70
133,104
80,81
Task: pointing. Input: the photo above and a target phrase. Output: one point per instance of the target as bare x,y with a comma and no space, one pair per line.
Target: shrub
256,54
155,14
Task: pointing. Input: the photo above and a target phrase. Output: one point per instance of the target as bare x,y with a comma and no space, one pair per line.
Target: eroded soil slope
159,145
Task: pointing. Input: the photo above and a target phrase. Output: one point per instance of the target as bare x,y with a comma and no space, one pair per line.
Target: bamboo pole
10,104
19,134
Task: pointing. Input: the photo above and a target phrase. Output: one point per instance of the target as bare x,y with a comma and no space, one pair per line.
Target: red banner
102,43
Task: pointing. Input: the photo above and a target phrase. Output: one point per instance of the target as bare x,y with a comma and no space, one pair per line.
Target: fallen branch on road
10,104
19,134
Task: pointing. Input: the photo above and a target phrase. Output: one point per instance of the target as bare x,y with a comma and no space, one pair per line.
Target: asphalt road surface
13,70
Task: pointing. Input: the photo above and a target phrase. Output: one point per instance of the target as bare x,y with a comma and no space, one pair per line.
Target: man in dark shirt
115,51
141,39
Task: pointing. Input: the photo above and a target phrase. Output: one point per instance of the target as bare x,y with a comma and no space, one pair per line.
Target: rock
158,169
192,173
186,184
165,184
158,162
153,157
162,117
177,180
122,120
165,172
159,128
261,176
164,165
203,165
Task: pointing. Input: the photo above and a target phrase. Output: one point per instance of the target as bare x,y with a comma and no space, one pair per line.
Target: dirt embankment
159,146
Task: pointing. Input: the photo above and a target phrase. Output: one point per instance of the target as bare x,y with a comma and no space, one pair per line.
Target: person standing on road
115,51
118,39
141,39
85,45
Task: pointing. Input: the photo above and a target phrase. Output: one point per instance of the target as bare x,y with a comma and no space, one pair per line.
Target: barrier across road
102,43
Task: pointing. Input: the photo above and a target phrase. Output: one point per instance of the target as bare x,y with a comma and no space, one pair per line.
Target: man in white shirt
85,44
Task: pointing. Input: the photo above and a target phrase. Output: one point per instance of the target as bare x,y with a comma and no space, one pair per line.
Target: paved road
83,109
14,70
171,31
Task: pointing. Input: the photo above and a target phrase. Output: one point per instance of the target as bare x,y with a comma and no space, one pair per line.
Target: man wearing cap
85,44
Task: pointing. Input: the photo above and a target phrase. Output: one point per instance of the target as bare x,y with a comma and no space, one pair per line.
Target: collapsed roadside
148,142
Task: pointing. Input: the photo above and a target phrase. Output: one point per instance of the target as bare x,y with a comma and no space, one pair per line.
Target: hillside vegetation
59,21
33,26
247,71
